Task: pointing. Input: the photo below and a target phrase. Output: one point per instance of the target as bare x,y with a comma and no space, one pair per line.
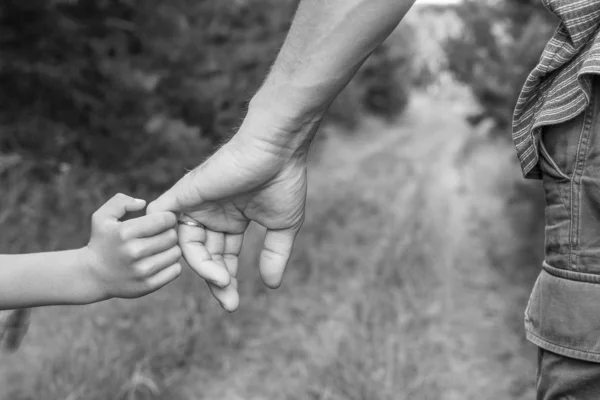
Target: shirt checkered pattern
559,87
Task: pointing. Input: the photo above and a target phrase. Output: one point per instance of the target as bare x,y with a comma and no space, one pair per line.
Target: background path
392,293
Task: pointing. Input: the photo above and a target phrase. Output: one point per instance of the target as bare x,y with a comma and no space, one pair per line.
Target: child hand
135,257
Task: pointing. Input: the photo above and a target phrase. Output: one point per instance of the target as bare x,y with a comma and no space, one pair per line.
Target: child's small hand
135,257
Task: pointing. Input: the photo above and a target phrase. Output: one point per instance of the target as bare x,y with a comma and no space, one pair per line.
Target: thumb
119,205
275,254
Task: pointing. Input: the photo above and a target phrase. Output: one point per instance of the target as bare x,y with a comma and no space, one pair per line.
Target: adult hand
259,175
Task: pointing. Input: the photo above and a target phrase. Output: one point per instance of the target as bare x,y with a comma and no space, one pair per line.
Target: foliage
431,25
147,88
500,44
117,85
381,87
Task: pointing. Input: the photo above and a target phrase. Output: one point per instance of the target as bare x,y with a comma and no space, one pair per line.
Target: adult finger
215,245
119,205
148,225
228,297
191,241
231,252
275,254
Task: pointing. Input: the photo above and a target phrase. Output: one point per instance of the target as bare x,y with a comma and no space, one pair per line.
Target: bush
122,95
145,89
96,82
382,85
500,44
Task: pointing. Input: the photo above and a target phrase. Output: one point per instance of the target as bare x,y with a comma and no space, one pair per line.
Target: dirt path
403,204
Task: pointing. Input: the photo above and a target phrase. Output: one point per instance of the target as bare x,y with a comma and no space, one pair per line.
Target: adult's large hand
259,175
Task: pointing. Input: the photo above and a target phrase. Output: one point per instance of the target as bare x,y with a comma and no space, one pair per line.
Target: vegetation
106,96
500,44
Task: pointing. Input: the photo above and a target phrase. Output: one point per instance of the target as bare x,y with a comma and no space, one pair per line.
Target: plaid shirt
559,87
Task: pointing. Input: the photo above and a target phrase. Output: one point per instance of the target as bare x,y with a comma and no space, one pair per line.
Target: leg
564,378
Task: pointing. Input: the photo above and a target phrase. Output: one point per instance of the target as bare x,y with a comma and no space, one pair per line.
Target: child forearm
54,278
124,259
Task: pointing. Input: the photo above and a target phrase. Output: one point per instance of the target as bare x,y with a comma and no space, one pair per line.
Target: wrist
285,121
92,288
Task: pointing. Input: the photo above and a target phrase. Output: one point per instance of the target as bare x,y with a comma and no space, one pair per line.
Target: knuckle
135,251
178,252
123,198
163,220
96,218
174,255
124,234
169,219
140,269
117,198
172,236
151,209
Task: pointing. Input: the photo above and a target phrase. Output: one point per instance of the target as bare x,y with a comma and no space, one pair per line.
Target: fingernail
140,201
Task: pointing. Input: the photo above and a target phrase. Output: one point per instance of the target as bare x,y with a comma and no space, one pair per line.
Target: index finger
149,225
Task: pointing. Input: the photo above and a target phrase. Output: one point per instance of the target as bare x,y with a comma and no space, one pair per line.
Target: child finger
149,225
164,277
146,247
156,263
119,205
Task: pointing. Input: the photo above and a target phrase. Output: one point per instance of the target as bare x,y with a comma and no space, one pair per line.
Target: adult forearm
327,43
30,280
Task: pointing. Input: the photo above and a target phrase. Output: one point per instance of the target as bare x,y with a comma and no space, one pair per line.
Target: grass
399,288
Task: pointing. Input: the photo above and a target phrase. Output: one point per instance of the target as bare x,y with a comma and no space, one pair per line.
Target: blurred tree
501,42
383,84
102,83
144,88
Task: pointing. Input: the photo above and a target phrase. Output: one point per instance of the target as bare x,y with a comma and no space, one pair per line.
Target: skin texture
123,259
260,174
